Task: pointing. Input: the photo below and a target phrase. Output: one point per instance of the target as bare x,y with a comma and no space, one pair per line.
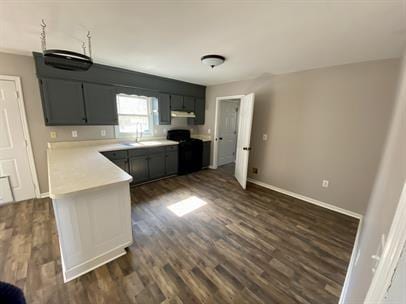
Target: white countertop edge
69,194
79,166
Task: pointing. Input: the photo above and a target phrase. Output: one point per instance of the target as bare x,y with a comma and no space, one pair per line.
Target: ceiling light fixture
63,59
213,60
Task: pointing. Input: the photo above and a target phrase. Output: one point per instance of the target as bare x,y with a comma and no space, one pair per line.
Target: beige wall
384,199
23,66
327,123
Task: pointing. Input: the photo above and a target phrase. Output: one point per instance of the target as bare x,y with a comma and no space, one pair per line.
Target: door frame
217,125
392,251
26,133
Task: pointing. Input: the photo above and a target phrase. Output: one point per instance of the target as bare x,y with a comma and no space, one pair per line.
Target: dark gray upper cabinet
101,104
110,75
176,103
188,104
164,109
62,102
199,110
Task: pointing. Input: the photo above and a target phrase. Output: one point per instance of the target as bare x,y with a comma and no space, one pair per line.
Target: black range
190,150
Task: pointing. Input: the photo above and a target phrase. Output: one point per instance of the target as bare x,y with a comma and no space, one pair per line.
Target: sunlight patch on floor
187,205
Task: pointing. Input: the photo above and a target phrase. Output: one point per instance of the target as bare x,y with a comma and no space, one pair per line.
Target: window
134,115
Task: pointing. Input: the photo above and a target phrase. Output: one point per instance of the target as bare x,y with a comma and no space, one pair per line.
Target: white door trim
390,256
216,126
24,123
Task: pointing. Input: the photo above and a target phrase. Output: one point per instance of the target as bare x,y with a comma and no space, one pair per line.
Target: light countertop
75,167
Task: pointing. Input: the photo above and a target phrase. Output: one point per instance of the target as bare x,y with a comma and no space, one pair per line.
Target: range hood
183,114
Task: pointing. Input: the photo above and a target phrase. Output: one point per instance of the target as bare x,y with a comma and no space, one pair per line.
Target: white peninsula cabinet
91,201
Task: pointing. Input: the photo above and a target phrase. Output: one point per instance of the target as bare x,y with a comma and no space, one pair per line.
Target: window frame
148,133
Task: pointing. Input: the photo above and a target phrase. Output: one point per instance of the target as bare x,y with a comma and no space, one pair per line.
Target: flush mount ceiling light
213,60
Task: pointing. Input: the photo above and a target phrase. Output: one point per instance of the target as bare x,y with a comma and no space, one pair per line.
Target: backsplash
66,133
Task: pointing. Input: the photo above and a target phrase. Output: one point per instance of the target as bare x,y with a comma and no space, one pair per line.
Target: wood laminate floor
254,246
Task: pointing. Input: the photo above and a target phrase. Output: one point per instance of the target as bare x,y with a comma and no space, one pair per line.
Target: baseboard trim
307,199
44,195
352,263
79,270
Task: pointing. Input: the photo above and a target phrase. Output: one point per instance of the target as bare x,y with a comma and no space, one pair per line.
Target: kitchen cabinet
188,104
139,169
101,104
171,162
182,103
164,109
206,154
200,111
146,164
62,102
156,165
75,103
122,163
176,103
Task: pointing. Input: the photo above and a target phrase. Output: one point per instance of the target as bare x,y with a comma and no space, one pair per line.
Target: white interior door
14,161
227,138
244,138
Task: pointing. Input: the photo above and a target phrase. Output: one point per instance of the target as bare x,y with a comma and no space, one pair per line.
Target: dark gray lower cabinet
206,154
139,169
156,164
146,164
122,163
171,162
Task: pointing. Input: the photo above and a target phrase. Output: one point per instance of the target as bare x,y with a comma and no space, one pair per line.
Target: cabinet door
188,104
200,111
206,154
164,109
176,103
171,162
139,169
121,163
156,165
62,102
101,104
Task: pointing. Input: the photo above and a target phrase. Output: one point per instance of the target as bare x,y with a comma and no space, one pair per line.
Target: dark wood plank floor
254,246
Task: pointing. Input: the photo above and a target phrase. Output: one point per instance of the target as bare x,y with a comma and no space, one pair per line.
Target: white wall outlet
208,131
164,131
324,184
103,133
265,137
52,134
74,133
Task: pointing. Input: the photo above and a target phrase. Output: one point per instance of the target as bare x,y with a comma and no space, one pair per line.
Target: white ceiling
168,38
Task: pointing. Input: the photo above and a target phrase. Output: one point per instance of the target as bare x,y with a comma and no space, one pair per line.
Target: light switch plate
103,133
324,184
74,133
52,134
265,137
